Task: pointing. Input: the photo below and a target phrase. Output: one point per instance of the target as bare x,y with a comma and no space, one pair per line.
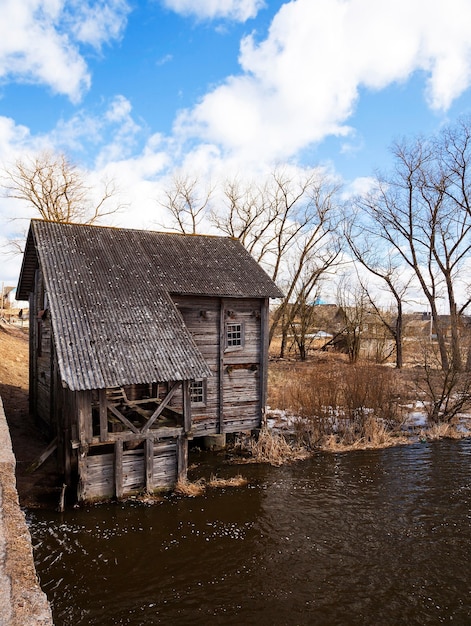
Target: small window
234,335
197,392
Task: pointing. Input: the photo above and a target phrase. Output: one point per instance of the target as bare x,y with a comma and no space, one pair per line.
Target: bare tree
56,189
289,224
453,243
248,216
415,213
186,203
384,263
353,303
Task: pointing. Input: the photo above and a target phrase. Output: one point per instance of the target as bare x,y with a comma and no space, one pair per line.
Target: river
367,537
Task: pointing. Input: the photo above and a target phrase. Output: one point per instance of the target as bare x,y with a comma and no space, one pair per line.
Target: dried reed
442,430
235,481
274,448
190,489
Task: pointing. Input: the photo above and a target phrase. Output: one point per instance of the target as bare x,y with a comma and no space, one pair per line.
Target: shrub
446,393
353,402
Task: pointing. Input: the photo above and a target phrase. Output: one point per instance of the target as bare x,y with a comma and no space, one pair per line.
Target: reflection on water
373,537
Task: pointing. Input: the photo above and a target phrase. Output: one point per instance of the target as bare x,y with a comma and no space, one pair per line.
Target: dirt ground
42,487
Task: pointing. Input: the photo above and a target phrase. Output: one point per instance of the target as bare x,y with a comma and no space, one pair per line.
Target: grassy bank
327,403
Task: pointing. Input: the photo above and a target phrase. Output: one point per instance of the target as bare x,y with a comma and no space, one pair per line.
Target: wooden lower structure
121,446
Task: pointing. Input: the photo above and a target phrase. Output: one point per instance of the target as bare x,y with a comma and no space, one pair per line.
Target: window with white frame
234,335
197,391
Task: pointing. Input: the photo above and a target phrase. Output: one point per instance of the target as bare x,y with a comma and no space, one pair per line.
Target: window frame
201,382
230,347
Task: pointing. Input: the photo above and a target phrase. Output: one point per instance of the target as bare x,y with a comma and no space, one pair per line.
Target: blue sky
136,89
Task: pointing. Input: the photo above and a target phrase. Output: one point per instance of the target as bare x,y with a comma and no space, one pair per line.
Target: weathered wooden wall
41,357
98,471
234,392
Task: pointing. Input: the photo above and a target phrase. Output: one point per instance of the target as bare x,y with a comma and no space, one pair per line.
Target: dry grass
196,488
235,481
378,437
341,407
190,489
442,430
357,404
13,357
274,448
329,388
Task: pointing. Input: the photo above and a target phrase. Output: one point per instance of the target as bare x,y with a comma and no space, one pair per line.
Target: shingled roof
109,293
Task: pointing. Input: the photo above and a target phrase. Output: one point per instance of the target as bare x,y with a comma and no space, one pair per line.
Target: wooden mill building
139,342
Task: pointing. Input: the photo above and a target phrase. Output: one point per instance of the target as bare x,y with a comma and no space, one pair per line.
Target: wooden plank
186,406
134,471
149,461
263,358
43,457
98,481
103,415
163,432
118,468
84,416
182,457
222,343
123,419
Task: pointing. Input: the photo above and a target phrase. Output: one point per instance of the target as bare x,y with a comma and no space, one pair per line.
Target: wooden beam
149,461
163,432
84,415
123,419
186,406
182,457
82,475
103,415
263,382
43,457
118,468
222,345
160,408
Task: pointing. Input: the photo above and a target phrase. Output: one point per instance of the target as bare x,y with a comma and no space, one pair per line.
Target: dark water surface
374,537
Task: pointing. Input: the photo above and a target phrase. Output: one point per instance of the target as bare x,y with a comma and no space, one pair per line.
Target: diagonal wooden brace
160,408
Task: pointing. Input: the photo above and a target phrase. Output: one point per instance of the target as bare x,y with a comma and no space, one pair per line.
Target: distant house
5,295
140,341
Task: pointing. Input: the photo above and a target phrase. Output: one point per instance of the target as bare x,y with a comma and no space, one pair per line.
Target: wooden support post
186,406
63,420
103,415
222,345
263,382
67,457
118,468
149,463
82,475
182,457
84,413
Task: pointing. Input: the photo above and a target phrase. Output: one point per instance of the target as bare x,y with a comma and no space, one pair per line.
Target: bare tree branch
55,188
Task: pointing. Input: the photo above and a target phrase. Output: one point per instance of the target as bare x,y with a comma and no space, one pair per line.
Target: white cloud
238,10
102,135
39,40
114,133
301,83
97,22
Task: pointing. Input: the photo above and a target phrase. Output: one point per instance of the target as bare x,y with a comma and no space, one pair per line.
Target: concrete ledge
22,602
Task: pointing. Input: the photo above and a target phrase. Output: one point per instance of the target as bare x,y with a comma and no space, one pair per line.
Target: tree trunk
398,336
